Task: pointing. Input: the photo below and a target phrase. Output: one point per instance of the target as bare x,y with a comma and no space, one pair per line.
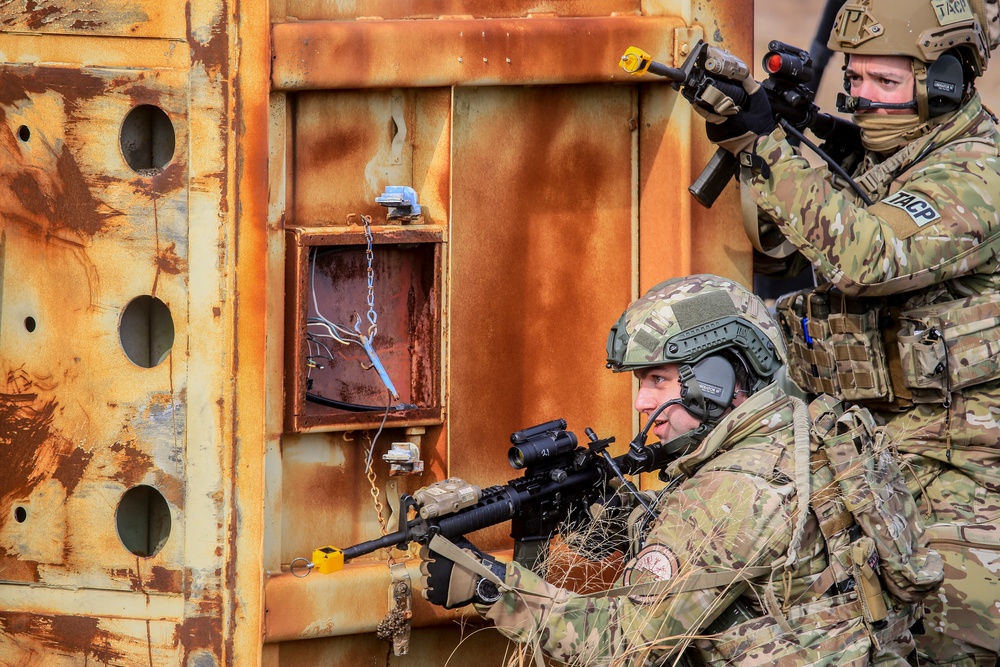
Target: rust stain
167,261
14,569
59,199
71,468
65,201
38,15
165,580
132,463
21,81
73,635
159,579
199,633
171,487
31,450
213,53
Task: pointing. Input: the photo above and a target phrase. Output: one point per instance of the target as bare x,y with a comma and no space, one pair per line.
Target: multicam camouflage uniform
736,509
933,235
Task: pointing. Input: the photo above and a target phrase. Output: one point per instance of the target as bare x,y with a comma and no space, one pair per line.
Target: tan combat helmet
684,320
924,30
715,331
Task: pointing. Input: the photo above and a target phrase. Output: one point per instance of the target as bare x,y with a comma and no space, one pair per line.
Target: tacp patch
952,11
654,563
918,208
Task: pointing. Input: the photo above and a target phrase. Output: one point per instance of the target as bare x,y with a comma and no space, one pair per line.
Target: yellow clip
328,559
635,61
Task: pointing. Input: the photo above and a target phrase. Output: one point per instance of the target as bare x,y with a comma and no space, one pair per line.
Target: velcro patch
952,11
654,563
918,208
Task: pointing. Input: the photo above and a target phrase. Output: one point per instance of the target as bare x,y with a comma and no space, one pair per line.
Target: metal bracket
404,459
684,41
401,202
400,608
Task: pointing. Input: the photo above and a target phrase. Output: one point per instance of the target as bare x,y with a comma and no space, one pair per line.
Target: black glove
739,132
449,584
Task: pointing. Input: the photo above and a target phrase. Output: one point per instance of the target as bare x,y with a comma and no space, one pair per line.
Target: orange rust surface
393,9
311,55
541,267
535,185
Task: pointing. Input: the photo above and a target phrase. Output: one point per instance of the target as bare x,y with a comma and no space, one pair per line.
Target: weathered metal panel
542,240
363,141
558,189
120,501
111,18
313,10
469,52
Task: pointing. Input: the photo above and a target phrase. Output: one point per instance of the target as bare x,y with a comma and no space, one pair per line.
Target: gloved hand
737,133
449,584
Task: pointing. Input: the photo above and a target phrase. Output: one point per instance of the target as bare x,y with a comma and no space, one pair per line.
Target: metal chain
369,255
370,474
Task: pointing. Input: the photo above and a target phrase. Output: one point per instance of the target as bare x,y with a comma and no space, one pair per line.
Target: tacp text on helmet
949,42
717,332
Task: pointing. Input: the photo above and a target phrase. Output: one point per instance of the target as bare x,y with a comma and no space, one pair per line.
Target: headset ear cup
945,85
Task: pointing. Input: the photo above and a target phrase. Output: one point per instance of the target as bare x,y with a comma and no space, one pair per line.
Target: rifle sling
697,581
693,582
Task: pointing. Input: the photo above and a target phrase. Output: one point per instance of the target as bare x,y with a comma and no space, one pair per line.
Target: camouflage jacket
934,217
933,235
734,509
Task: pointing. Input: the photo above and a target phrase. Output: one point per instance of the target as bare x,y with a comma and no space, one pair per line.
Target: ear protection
945,85
710,392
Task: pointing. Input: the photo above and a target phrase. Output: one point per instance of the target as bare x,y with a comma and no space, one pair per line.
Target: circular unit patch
654,563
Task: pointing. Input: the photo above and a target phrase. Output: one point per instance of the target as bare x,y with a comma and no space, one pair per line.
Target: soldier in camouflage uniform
913,276
750,561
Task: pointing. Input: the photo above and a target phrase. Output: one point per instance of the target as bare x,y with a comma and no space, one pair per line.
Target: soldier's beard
885,133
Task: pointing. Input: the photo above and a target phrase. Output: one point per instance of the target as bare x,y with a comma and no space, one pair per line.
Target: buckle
754,163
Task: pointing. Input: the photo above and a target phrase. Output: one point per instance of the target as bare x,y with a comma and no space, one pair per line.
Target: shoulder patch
915,206
654,563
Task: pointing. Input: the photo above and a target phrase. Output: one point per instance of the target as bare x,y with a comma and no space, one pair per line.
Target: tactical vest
879,561
873,351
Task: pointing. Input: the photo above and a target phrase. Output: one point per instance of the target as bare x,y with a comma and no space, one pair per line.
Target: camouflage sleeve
715,522
940,224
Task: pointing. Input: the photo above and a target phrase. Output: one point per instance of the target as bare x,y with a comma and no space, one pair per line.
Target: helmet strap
920,87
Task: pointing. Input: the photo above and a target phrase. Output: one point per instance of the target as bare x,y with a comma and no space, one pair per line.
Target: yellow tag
635,60
328,559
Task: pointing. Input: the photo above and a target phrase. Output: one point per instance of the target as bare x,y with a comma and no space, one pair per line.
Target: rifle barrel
671,73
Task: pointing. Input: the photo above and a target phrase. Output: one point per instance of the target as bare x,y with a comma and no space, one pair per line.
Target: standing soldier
909,322
753,559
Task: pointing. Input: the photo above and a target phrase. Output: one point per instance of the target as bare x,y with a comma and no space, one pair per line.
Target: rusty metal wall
129,356
153,489
561,190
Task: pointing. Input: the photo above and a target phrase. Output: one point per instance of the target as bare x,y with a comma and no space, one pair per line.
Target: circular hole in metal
143,520
23,133
20,514
147,139
146,331
29,324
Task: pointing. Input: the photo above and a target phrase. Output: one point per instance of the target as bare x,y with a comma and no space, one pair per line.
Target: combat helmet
949,42
714,330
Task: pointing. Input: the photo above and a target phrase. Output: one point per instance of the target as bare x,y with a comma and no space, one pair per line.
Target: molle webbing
835,344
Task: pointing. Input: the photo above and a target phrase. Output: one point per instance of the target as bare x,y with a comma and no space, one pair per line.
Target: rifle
790,72
561,480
